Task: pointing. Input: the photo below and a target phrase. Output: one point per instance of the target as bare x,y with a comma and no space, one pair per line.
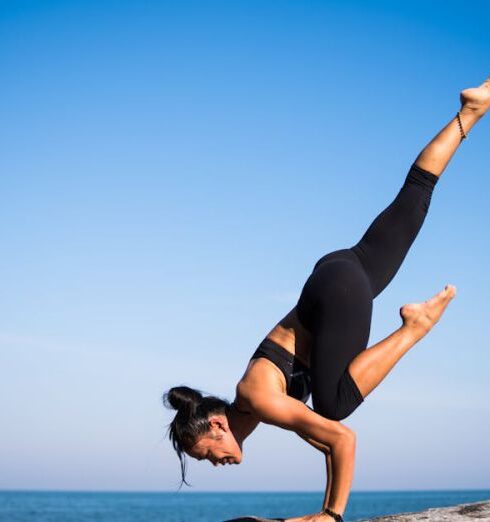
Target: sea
54,506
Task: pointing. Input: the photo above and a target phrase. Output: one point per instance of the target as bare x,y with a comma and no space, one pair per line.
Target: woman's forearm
326,452
328,460
289,413
342,473
342,451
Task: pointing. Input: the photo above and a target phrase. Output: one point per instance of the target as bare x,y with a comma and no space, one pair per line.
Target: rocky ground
473,512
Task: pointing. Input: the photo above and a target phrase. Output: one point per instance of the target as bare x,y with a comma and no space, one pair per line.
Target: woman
319,347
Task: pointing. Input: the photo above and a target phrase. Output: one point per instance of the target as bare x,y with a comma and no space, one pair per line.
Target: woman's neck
242,423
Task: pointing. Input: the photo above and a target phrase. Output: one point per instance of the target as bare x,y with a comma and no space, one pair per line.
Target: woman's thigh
336,306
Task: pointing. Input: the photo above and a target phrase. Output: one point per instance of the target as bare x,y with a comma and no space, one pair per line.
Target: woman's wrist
336,516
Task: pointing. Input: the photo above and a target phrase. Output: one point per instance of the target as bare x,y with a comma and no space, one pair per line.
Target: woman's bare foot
421,317
476,99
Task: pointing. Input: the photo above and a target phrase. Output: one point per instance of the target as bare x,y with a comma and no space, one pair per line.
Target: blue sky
170,173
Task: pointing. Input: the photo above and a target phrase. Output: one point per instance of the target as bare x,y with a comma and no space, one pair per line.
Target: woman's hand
291,414
315,517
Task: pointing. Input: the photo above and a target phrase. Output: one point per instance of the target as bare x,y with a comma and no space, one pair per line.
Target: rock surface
473,512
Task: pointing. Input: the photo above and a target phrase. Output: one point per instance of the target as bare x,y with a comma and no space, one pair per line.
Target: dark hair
191,419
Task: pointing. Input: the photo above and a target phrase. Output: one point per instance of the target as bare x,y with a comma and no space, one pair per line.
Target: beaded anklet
463,135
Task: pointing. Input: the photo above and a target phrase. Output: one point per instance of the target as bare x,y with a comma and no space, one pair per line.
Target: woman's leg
335,306
385,244
372,365
436,155
336,301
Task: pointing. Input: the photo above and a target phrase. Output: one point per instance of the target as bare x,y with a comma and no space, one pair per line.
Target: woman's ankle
472,113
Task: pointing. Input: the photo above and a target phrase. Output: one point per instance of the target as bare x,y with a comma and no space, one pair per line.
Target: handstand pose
319,347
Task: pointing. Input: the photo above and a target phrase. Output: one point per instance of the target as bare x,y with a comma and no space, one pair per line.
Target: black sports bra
298,382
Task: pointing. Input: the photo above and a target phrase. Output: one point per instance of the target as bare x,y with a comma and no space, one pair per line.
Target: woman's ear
218,422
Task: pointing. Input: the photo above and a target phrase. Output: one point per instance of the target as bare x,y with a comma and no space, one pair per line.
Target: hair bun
183,399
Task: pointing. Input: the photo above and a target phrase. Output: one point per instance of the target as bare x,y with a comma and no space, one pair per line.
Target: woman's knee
336,413
339,405
329,411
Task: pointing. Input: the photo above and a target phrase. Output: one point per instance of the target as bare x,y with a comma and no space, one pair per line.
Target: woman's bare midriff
290,334
262,375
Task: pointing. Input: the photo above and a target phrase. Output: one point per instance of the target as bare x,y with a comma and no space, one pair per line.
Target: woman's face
219,445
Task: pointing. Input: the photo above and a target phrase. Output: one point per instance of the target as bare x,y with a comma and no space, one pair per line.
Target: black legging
335,304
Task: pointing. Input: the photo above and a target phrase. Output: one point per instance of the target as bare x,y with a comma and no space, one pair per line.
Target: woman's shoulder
261,379
261,376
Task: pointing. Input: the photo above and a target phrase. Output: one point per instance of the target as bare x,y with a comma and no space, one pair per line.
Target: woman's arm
326,451
291,414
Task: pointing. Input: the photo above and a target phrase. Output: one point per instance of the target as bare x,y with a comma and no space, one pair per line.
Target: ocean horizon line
231,492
